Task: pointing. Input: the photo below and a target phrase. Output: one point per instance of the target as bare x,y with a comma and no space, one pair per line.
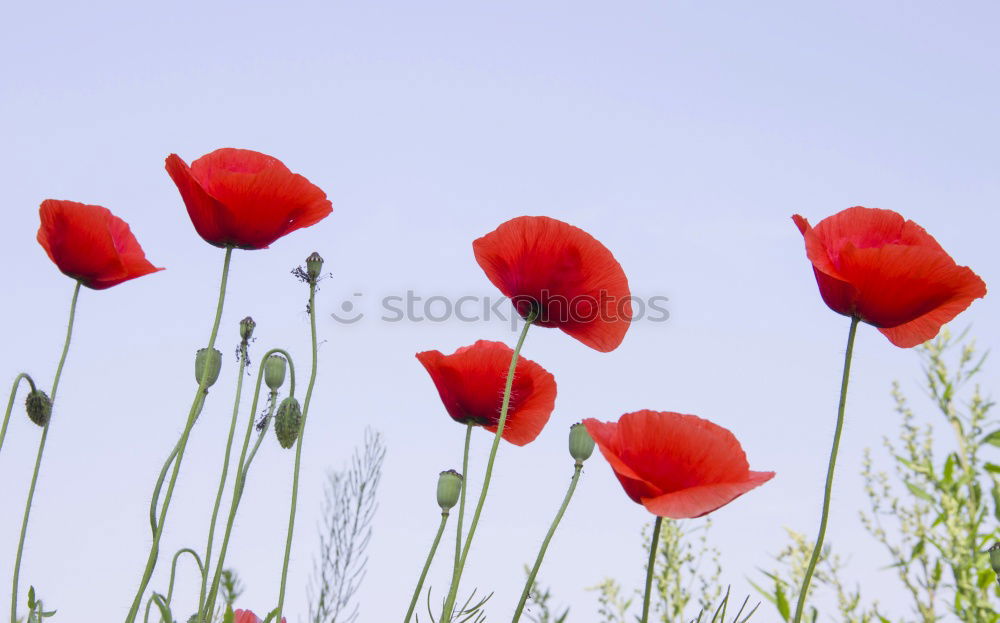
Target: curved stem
193,412
298,449
456,580
225,472
173,569
38,457
427,566
653,546
242,469
828,492
545,543
10,403
461,502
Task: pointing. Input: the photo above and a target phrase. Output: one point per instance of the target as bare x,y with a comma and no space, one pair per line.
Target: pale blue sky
681,134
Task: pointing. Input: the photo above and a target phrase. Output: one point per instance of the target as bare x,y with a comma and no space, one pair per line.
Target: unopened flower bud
287,422
581,444
207,364
314,264
994,553
39,407
274,371
246,328
449,489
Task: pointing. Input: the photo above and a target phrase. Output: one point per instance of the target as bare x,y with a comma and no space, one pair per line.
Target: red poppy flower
471,383
888,272
563,273
90,244
675,465
246,616
245,198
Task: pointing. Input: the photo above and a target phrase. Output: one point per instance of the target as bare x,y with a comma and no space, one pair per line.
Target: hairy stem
449,603
545,543
193,412
427,566
828,491
38,457
10,403
653,546
298,449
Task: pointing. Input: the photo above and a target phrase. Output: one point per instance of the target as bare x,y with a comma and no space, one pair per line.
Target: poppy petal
675,465
263,200
701,500
206,213
89,243
562,272
471,384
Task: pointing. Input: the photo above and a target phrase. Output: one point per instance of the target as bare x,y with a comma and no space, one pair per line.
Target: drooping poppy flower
246,616
245,198
677,466
888,272
471,384
90,244
561,272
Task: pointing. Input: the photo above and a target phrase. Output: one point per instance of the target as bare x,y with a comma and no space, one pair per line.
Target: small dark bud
581,444
39,407
314,265
287,422
274,371
449,489
246,328
207,364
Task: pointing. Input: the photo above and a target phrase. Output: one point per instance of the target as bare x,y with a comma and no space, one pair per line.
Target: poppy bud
449,489
274,371
581,444
207,364
246,328
994,553
287,422
39,407
314,264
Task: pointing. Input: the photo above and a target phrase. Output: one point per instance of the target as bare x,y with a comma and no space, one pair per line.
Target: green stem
298,449
545,543
193,412
225,471
242,469
653,546
427,566
173,570
449,603
828,491
10,403
461,502
38,457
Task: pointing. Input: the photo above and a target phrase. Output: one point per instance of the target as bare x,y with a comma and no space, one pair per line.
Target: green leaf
992,468
917,549
164,609
920,493
949,468
781,601
229,616
993,438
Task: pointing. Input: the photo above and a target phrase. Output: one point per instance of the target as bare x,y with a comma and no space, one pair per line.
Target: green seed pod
995,559
581,444
287,422
314,264
449,489
207,363
246,328
39,407
274,371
